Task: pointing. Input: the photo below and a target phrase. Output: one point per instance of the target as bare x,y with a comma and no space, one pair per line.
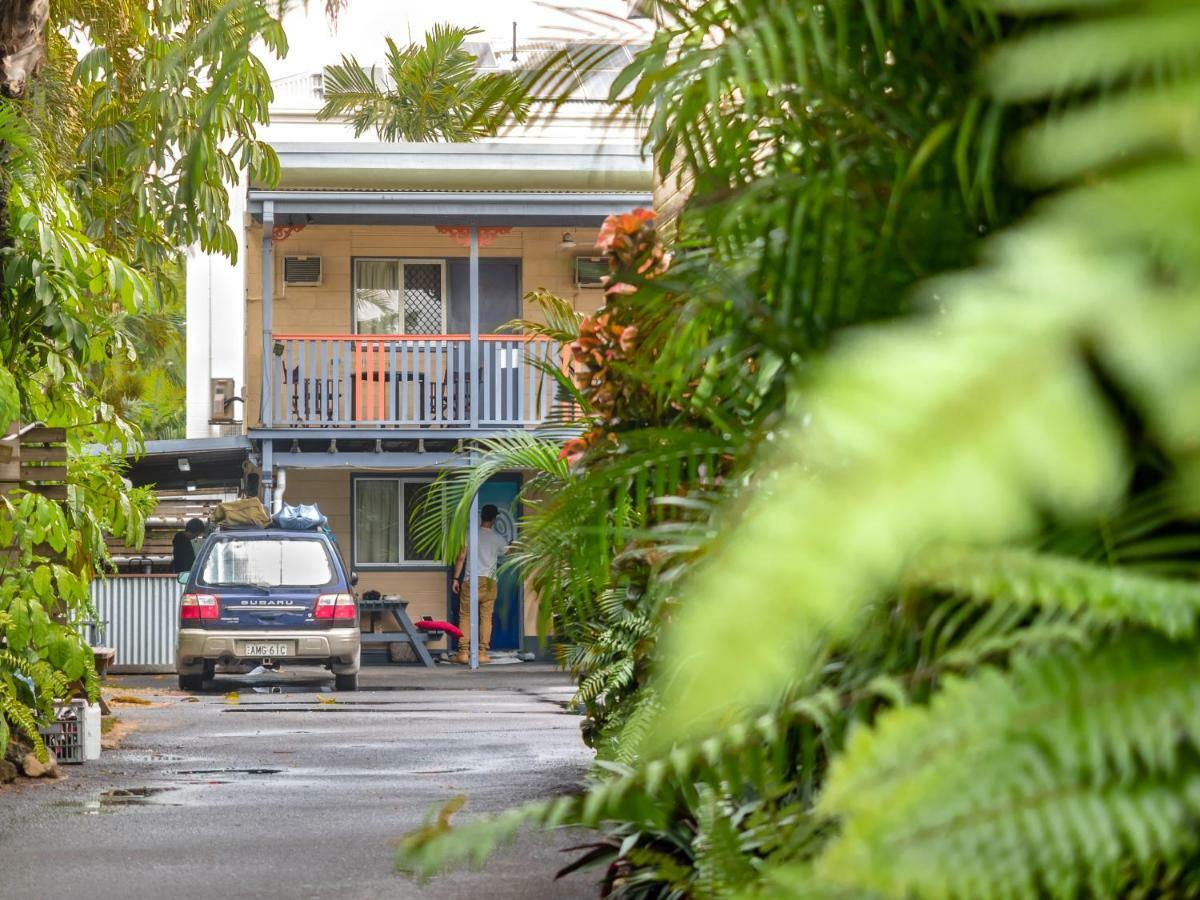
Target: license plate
277,649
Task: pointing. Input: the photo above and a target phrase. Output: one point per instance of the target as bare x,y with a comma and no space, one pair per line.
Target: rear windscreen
268,563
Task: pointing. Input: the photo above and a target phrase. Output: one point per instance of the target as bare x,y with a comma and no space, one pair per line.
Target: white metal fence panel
140,614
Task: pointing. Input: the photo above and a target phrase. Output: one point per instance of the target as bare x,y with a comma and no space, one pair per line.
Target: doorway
508,626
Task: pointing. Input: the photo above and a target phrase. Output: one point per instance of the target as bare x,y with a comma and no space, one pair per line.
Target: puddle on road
292,689
127,757
110,801
225,771
132,795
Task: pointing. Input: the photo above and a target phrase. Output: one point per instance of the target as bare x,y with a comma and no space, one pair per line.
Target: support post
267,405
473,562
473,373
473,379
267,481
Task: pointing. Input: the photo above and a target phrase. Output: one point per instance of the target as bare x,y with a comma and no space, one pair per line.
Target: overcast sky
362,26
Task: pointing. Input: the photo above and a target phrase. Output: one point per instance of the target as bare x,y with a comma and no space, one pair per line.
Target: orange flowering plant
608,340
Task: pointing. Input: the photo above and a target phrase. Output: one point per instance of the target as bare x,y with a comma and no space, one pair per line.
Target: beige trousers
487,603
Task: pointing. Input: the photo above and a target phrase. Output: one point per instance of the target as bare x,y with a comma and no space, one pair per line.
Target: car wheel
191,682
347,682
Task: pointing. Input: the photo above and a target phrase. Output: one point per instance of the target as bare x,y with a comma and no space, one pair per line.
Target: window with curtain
393,296
382,507
377,296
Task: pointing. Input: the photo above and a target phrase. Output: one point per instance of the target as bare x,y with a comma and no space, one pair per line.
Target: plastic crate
65,736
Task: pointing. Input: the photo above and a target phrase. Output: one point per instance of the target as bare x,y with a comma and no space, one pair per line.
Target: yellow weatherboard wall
326,309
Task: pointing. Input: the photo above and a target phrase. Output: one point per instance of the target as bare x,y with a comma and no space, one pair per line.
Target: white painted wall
216,322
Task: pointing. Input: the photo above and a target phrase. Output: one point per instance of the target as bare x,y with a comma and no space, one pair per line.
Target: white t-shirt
491,548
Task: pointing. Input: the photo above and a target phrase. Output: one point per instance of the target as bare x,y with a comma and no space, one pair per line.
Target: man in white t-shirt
491,548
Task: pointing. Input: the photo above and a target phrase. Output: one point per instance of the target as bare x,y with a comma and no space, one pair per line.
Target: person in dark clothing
183,546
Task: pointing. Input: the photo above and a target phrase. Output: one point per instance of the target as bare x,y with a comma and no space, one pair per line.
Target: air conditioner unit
590,271
302,271
221,393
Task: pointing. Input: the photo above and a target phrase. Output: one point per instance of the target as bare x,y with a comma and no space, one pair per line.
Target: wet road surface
283,795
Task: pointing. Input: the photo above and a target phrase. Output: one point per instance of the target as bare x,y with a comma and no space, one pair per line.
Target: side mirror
183,577
353,579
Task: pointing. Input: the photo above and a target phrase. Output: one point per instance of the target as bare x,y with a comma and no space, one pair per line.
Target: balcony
409,381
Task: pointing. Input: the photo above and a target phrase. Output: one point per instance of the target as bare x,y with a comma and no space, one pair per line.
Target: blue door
508,623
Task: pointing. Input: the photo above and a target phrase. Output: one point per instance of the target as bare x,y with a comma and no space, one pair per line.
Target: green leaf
42,584
40,626
10,399
19,631
74,665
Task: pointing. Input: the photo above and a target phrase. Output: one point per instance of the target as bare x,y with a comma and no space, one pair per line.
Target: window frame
402,563
401,262
233,537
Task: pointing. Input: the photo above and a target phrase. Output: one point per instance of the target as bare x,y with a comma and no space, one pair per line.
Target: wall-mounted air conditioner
590,271
222,394
302,271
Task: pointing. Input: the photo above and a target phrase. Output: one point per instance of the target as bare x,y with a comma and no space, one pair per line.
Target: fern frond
637,725
430,850
721,866
1026,579
1053,776
733,759
1146,42
21,716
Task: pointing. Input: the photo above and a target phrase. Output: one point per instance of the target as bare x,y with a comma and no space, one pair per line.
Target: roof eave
499,165
513,208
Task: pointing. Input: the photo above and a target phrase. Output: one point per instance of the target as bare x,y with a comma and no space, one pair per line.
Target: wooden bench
103,657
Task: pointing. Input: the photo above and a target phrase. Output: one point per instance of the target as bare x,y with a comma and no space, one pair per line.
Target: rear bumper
339,645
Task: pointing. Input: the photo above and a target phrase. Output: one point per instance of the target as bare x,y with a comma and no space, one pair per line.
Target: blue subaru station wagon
268,596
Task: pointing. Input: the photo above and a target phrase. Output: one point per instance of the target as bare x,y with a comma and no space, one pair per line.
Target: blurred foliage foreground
914,615
111,163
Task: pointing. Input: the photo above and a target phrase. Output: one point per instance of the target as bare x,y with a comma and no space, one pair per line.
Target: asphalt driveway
278,794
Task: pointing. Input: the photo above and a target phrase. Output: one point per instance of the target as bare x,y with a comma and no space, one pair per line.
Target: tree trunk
22,43
22,52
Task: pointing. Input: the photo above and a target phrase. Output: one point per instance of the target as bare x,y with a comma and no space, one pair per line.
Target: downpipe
277,494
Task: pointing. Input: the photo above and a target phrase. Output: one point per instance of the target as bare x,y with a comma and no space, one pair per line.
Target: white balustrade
348,381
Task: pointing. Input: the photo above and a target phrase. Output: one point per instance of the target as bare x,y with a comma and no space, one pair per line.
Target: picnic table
373,605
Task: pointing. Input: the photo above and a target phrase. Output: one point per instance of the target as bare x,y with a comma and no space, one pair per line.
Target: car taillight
335,606
198,606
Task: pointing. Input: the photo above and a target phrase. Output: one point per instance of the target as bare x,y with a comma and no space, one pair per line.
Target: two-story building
357,339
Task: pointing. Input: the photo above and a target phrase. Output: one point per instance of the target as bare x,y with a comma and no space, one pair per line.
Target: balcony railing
354,380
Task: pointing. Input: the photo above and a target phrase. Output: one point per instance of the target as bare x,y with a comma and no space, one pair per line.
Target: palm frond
439,522
427,92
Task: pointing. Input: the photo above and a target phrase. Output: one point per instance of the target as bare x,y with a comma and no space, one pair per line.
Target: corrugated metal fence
141,616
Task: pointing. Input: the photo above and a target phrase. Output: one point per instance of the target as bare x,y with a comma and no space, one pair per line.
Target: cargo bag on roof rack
248,513
302,517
